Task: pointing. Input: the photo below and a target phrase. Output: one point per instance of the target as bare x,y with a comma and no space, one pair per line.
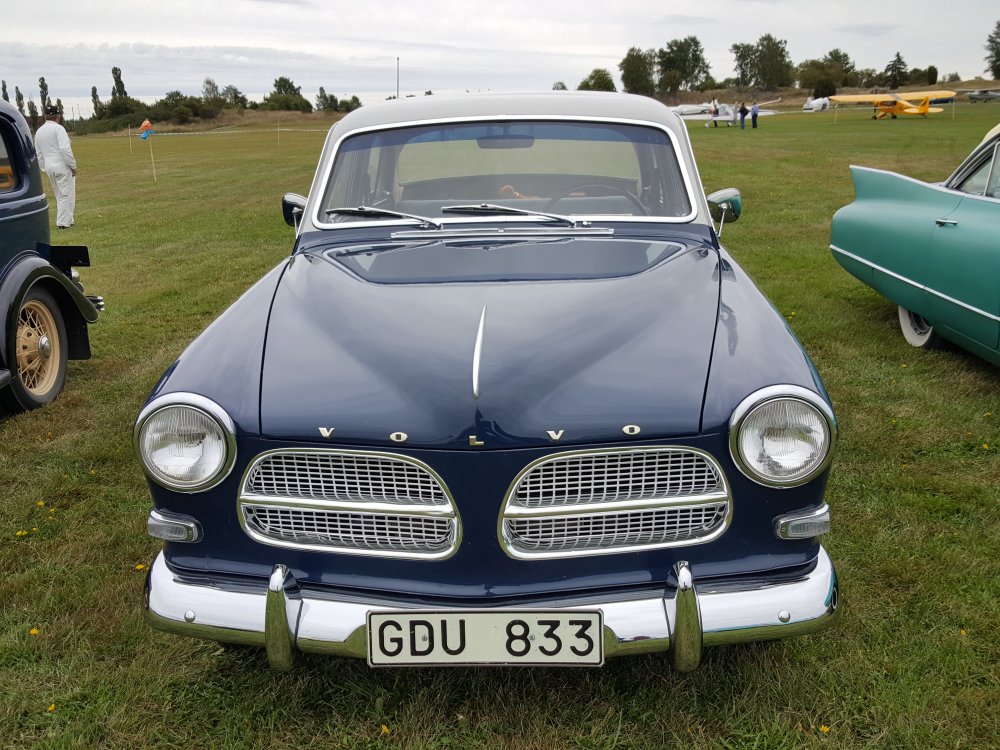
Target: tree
559,86
993,52
774,66
838,60
59,105
866,77
19,99
326,102
286,96
746,64
349,105
96,101
917,75
210,90
896,72
686,58
932,75
598,80
952,78
118,90
637,72
43,93
33,114
234,97
6,98
286,87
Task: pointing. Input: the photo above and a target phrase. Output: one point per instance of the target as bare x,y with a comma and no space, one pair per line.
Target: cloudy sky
515,45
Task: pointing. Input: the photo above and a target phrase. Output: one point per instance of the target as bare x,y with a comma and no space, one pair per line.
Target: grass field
914,491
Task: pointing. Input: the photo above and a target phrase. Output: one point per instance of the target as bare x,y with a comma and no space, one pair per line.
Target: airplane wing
910,96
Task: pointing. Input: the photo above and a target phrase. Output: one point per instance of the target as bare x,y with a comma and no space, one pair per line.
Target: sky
445,46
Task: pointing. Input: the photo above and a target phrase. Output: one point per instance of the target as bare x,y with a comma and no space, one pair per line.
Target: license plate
529,637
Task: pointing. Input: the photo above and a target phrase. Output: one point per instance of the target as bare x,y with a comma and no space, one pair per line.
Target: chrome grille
356,477
610,477
360,531
609,530
351,502
616,500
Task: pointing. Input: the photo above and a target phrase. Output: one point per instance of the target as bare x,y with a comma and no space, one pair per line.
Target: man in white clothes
55,157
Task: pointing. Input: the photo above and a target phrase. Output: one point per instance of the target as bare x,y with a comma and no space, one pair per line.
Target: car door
964,258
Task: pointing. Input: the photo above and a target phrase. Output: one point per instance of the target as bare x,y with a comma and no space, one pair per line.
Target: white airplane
982,95
816,105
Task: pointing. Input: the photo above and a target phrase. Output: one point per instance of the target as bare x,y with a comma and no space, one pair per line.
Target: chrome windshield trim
320,185
504,232
916,285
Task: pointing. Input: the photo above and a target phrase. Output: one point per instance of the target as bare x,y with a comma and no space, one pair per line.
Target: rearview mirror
293,206
725,205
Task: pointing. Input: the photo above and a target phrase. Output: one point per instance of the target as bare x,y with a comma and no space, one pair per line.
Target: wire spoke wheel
37,351
38,348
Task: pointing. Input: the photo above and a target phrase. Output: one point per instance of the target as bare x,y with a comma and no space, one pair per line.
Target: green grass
913,664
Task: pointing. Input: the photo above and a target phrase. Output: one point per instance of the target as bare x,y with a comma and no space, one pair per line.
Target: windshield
566,168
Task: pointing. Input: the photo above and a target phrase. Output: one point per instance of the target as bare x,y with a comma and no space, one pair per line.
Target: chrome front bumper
284,619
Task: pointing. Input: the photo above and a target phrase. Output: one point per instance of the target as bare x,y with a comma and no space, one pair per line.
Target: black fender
21,274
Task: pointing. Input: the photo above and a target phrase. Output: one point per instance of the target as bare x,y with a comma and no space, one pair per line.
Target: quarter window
985,179
8,177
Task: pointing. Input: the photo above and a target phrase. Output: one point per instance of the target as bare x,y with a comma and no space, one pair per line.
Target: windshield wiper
489,209
373,211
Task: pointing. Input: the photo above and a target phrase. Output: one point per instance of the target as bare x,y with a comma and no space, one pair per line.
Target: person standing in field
754,111
743,115
55,157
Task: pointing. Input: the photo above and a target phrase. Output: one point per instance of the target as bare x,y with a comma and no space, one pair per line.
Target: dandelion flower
386,730
823,727
52,708
21,532
962,632
986,446
140,566
34,631
40,503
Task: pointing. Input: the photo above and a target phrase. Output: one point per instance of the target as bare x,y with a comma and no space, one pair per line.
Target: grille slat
579,487
611,477
355,479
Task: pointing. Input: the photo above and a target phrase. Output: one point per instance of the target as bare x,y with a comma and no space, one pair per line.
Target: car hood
352,362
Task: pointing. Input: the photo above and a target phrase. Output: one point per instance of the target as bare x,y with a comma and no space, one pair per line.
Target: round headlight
782,436
186,447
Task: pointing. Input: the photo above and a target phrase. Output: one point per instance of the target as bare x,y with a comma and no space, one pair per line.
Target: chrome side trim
477,354
283,618
915,285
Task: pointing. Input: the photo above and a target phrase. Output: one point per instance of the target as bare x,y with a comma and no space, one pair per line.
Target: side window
984,180
993,186
8,178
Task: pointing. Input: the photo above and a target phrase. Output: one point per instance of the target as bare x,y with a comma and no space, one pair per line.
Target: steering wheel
632,197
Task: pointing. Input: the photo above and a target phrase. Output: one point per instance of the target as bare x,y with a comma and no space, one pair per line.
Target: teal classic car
933,249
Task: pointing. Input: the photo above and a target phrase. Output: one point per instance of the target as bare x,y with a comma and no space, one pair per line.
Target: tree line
122,110
764,64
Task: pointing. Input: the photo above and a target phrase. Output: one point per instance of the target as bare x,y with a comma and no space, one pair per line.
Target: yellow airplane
890,105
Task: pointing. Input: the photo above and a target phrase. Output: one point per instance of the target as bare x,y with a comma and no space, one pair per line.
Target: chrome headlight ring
816,420
202,415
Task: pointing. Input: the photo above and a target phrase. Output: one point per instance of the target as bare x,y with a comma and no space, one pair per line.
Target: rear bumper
285,619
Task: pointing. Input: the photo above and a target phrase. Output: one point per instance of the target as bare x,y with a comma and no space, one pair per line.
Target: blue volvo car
508,401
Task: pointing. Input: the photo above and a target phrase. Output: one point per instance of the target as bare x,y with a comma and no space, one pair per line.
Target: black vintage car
45,312
509,401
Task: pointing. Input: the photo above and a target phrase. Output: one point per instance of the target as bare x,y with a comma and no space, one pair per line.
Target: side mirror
725,205
293,206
